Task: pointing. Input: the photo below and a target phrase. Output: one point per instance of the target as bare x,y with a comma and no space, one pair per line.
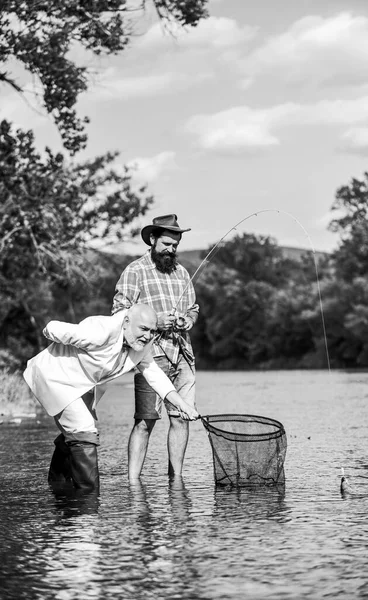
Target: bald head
140,325
142,311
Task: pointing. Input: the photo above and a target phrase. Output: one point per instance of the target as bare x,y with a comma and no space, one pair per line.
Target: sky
262,108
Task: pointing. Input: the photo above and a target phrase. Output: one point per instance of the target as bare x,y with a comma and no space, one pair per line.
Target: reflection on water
71,503
184,537
238,504
71,554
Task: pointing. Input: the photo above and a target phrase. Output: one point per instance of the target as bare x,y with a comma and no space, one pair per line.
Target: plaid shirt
141,281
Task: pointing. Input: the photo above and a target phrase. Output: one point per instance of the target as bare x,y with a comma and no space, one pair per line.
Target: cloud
315,50
142,170
114,85
244,129
214,32
355,141
323,222
160,62
149,169
239,128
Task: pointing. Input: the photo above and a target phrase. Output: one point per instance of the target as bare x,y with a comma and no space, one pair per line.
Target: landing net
247,450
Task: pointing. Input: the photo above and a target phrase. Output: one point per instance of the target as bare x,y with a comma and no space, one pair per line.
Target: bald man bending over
80,358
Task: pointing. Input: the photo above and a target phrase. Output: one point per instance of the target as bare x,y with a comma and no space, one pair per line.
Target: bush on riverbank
15,396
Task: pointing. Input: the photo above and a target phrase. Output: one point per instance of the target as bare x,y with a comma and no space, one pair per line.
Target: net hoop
275,428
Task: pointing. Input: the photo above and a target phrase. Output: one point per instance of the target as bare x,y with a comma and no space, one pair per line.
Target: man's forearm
177,401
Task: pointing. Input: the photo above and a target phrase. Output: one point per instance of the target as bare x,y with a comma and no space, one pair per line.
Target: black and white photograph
183,299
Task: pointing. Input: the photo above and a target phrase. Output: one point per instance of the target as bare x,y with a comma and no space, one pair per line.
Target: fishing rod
198,272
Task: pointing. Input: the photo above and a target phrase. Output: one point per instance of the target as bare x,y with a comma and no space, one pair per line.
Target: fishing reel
179,323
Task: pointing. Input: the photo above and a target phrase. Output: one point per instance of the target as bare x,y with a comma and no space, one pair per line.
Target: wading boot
84,465
59,472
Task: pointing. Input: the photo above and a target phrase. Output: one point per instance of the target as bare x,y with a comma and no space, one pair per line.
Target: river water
188,539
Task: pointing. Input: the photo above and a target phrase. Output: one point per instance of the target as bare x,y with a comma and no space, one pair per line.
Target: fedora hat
168,222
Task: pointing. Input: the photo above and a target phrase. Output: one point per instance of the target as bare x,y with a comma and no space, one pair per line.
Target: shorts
148,405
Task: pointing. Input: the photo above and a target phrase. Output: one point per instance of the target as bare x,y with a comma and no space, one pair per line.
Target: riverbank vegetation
16,399
258,308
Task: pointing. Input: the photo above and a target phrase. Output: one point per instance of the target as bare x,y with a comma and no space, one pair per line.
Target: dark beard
165,263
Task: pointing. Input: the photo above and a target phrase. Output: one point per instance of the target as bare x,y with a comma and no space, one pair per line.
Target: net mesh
247,449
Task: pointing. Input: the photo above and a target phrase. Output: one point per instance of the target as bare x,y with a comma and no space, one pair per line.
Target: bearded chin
165,263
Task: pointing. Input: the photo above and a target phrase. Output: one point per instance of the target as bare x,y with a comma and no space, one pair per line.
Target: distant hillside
298,253
192,258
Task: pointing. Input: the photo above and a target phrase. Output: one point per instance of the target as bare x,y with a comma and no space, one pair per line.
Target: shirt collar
148,257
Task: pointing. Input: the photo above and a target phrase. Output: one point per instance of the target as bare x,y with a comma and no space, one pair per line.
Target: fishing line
198,272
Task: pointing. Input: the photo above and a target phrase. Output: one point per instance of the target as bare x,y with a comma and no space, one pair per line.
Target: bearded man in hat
158,280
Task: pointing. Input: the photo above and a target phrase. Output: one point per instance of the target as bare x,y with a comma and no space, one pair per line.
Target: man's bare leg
137,446
177,441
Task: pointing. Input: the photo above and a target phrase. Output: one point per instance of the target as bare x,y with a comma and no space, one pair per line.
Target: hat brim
146,231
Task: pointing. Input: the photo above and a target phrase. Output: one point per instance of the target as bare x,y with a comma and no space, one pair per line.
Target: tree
259,309
340,301
50,212
356,322
39,34
51,209
255,257
293,327
351,222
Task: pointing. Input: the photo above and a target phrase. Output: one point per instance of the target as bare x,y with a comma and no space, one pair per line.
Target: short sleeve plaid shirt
141,281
